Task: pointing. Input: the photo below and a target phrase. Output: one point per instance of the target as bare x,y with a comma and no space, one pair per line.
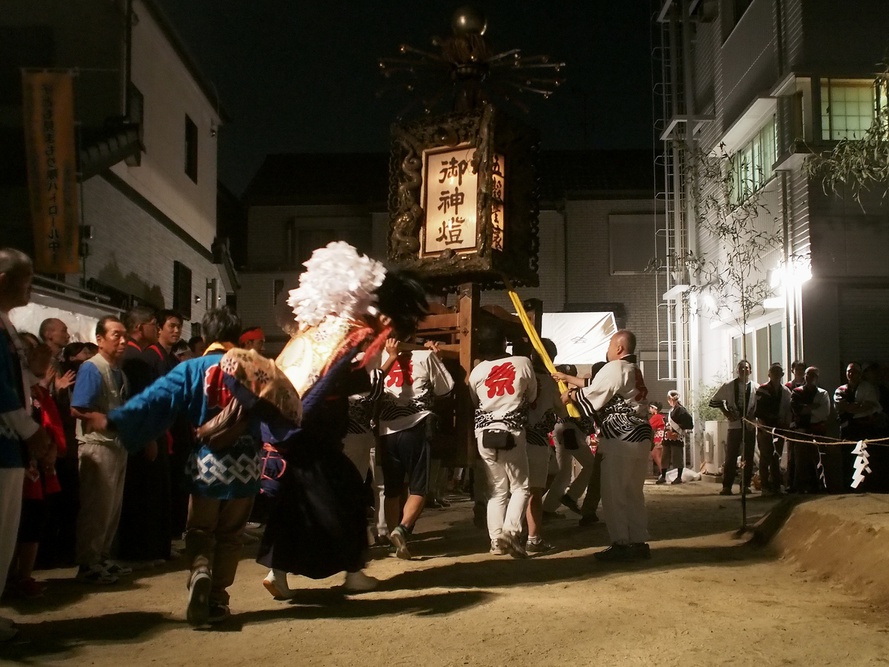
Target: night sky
301,77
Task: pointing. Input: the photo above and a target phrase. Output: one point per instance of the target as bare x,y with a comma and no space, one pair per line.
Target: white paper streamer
861,463
820,468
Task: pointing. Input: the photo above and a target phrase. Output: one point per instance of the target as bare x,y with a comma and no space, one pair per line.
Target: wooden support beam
467,303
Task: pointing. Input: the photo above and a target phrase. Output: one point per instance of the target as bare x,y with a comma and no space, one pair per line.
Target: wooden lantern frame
489,133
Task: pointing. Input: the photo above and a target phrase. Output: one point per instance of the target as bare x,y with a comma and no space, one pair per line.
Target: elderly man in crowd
17,428
617,396
736,399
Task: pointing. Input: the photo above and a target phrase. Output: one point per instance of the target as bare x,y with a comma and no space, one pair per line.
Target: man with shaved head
54,333
19,433
618,399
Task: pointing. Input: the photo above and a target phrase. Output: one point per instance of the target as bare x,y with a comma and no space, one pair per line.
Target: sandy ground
705,598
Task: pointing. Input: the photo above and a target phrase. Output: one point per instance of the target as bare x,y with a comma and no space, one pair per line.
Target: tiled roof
321,178
574,174
363,178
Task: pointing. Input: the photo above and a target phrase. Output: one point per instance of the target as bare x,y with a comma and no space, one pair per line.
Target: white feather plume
338,281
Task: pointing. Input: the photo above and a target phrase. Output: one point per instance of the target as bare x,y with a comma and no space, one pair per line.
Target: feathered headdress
338,281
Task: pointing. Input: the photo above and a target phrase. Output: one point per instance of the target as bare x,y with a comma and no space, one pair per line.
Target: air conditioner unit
715,433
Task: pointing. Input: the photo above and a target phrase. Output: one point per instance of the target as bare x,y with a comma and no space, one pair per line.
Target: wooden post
467,304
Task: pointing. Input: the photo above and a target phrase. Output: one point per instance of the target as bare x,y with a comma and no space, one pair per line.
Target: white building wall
257,305
170,92
133,252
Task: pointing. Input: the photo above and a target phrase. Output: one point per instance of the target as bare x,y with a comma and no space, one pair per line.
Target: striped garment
618,397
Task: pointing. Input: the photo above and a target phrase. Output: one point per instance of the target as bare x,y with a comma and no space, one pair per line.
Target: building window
182,289
848,108
191,149
628,255
753,165
765,346
136,114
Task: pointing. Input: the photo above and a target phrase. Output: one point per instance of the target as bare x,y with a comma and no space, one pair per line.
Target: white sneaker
275,583
495,549
358,582
511,543
198,610
399,541
116,569
95,574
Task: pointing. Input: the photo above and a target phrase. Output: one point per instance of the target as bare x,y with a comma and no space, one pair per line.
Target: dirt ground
705,598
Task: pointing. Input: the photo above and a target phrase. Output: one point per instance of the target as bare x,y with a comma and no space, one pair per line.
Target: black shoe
725,492
641,550
218,612
616,553
678,480
570,503
661,480
442,502
588,520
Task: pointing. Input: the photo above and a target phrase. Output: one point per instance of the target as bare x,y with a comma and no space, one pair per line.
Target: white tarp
582,338
81,325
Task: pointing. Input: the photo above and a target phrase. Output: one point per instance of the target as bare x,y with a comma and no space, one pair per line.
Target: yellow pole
537,343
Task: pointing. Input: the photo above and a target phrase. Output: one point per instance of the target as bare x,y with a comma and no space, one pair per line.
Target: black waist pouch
498,439
569,439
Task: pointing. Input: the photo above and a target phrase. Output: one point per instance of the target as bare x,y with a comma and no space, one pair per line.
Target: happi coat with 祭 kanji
408,390
503,389
620,399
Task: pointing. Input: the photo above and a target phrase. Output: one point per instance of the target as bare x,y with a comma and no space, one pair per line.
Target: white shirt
619,395
726,393
409,388
503,389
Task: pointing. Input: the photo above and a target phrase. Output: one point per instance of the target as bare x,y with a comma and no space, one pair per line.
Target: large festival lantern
463,199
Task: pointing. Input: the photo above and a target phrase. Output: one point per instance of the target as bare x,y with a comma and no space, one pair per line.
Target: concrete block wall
589,272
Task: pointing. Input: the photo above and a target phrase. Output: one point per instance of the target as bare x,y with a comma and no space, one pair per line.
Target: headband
253,334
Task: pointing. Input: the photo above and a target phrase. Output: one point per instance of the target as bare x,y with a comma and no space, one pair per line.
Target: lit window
753,164
848,108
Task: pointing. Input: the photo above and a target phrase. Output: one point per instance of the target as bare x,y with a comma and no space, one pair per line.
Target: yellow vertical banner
52,169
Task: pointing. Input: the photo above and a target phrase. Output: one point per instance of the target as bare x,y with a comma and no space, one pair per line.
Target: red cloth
657,425
47,414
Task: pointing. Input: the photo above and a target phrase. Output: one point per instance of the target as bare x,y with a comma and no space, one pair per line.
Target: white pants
379,493
102,470
565,458
11,482
507,475
624,467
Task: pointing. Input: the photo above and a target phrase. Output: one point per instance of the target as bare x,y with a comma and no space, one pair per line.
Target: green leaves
858,164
